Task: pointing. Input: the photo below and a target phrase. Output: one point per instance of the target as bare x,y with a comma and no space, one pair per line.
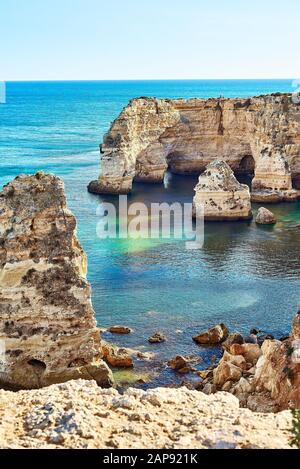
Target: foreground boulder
47,323
265,217
278,370
80,415
221,195
215,335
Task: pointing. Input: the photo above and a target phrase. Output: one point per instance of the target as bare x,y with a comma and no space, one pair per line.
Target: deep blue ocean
244,276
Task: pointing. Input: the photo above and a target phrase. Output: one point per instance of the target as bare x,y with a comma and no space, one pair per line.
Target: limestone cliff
260,134
47,321
221,195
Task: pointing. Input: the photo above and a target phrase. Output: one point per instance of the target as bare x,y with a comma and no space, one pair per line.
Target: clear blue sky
149,39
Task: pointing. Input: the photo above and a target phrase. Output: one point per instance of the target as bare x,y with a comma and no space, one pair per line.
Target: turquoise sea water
244,276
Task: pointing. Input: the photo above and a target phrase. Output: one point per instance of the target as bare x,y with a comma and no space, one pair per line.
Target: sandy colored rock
47,322
80,415
117,357
265,217
215,335
225,372
251,352
122,330
237,360
296,327
220,195
258,135
278,373
235,338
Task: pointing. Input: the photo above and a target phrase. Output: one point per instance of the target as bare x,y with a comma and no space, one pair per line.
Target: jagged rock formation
265,376
260,134
46,318
278,370
79,414
221,195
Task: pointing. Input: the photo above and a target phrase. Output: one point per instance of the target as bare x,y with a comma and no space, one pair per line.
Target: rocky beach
43,270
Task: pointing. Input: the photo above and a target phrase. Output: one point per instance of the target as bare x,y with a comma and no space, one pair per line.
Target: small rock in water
157,338
120,330
265,217
215,335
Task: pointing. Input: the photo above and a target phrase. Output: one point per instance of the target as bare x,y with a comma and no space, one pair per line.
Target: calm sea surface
244,276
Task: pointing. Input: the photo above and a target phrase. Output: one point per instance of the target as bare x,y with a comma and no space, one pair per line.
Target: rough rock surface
117,357
265,217
47,321
278,372
215,335
79,414
221,195
258,135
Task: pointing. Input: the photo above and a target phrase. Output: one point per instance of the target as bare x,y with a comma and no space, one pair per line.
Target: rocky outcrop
80,415
215,335
220,195
259,135
278,370
117,357
47,322
265,217
265,376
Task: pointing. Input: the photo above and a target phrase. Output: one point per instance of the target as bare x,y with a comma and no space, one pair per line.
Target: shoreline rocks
117,357
221,196
215,335
47,322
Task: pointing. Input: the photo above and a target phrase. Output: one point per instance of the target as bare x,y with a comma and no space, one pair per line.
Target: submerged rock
47,322
221,195
265,217
215,335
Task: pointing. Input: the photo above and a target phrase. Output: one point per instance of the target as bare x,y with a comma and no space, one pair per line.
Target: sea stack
47,326
221,195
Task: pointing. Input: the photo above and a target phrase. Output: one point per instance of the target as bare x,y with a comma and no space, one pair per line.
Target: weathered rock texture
278,370
260,135
46,318
265,217
220,194
81,415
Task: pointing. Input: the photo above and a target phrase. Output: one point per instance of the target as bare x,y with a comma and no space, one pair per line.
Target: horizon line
143,80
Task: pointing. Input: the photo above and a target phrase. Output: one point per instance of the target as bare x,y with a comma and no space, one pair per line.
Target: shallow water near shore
245,276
